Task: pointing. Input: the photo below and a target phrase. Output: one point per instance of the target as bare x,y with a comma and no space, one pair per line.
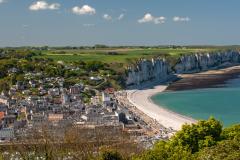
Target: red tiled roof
1,115
109,90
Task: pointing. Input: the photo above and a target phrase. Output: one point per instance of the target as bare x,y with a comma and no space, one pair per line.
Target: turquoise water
222,103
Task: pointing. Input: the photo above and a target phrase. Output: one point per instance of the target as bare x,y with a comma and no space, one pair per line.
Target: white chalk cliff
159,69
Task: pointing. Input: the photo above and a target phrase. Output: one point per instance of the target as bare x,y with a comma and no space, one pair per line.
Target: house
78,106
110,119
76,89
12,70
6,133
54,92
95,100
42,90
3,108
109,90
56,109
121,117
124,117
20,85
112,107
106,99
93,114
20,124
12,91
32,98
65,98
57,100
2,53
2,114
9,120
93,118
32,83
4,100
38,118
4,93
55,117
26,92
75,98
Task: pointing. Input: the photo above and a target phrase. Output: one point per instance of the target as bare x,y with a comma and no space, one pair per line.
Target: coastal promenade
151,126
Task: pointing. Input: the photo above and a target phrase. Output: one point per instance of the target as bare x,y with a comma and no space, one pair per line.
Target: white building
4,100
65,98
54,92
7,133
105,97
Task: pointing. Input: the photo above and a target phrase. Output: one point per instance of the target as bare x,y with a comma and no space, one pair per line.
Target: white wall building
7,133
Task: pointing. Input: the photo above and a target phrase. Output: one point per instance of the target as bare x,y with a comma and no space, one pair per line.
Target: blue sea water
223,103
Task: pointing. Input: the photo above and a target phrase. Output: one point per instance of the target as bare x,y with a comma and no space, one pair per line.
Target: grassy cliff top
118,55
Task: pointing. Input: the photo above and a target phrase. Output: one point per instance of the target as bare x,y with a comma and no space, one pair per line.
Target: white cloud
86,9
149,18
54,6
121,16
181,19
1,1
43,5
159,20
107,17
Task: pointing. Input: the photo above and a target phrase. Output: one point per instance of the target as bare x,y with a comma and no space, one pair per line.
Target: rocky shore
207,79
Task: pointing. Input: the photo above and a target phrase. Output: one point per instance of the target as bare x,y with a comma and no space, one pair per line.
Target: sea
222,102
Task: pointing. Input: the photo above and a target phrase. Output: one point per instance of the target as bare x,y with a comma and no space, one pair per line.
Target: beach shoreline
141,98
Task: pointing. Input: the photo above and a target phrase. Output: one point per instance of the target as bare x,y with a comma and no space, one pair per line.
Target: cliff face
201,62
146,70
160,70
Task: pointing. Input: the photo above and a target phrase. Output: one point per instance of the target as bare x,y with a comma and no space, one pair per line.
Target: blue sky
119,22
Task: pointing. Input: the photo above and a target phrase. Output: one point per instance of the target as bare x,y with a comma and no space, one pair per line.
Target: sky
119,22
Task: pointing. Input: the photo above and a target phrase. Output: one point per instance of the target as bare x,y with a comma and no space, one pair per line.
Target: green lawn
123,56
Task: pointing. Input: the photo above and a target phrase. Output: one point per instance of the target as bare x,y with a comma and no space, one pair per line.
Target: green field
121,55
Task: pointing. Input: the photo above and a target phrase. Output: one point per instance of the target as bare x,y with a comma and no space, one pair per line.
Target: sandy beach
141,98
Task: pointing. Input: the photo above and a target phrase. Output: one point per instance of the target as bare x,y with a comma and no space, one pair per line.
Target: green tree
110,155
226,150
20,77
163,151
191,139
94,66
197,136
231,132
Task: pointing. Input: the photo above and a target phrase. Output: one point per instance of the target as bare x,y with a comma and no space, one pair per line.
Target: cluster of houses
32,103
